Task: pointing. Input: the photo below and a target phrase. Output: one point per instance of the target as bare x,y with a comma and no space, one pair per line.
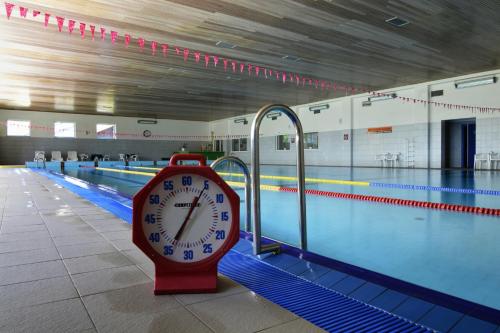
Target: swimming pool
451,252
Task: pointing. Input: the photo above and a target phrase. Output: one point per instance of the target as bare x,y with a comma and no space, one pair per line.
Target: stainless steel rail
248,192
299,139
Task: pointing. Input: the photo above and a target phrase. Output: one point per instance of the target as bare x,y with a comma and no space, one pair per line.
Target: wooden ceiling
347,41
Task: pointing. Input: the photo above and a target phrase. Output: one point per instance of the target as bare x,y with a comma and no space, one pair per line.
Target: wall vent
436,93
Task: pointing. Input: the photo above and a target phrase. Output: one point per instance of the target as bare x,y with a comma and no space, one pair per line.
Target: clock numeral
219,198
168,250
188,255
224,216
168,185
150,219
154,199
205,185
154,237
207,248
187,181
220,234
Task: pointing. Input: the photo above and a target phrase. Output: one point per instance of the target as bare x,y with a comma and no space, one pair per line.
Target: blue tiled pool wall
437,317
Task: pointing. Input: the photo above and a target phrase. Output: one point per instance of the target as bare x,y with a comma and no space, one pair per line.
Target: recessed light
225,45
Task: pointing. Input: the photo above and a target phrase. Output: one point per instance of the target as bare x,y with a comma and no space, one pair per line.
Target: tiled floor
67,265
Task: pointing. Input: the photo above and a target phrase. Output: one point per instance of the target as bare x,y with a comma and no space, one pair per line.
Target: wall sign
377,130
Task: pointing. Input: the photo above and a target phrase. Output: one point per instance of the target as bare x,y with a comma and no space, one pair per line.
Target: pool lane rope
370,198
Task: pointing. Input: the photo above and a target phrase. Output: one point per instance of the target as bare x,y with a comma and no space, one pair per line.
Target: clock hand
191,209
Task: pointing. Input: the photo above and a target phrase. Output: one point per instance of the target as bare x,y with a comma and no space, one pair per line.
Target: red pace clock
185,219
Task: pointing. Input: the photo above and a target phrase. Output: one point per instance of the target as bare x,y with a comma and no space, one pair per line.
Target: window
18,128
311,140
106,131
283,142
239,144
219,145
64,130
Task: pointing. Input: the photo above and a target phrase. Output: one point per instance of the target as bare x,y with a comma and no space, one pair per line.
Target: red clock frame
176,277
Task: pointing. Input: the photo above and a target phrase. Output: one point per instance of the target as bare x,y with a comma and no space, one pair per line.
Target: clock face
187,218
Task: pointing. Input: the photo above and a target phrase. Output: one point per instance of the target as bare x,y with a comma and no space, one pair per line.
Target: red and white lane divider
401,202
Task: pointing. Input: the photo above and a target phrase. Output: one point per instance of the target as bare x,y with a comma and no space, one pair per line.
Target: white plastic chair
84,157
121,157
381,158
479,159
72,156
56,156
392,159
105,158
134,157
494,158
39,156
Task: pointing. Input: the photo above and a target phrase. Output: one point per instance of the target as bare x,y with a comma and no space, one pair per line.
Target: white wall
86,125
412,122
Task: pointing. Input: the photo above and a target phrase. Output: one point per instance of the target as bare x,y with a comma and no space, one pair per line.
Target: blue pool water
454,253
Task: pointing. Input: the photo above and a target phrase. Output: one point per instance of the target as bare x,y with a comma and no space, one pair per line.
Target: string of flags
234,66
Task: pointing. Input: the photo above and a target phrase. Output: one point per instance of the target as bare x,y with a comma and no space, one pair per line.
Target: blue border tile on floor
470,324
413,309
367,292
243,246
314,272
330,278
348,285
299,267
441,319
388,300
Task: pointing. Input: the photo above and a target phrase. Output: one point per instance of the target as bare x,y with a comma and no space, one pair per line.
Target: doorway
459,143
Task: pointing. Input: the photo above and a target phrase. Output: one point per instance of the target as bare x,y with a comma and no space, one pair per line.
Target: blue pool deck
415,310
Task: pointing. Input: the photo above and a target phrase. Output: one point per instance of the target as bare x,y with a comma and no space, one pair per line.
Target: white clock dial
187,218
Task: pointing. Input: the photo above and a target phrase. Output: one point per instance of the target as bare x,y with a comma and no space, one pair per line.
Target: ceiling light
291,58
475,82
241,120
382,97
225,45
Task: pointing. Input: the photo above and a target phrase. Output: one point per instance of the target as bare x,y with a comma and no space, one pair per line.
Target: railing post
255,163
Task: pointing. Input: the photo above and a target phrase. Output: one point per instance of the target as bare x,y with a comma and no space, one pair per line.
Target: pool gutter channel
123,211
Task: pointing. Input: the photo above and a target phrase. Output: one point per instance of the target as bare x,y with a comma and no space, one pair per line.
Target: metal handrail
255,163
248,191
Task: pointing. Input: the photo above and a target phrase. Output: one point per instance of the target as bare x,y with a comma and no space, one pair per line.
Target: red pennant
265,72
82,29
60,22
92,31
257,70
283,77
154,46
290,75
103,33
316,83
8,9
297,79
71,26
216,60
165,49
178,51
114,36
242,67
186,54
23,11
36,13
141,42
207,59
249,67
225,64
270,72
127,40
233,64
277,75
197,57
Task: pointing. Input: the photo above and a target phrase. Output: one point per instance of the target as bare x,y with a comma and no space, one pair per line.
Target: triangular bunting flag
8,9
23,11
216,60
164,49
92,31
127,40
71,25
36,13
60,22
186,54
114,36
154,46
82,29
103,33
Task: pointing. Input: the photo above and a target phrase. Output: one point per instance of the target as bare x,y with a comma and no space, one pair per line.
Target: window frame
238,144
105,137
63,136
18,135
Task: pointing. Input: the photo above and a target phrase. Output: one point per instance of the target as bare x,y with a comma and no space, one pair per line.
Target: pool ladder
252,182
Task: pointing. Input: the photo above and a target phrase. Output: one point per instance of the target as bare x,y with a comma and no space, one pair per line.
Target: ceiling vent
397,22
224,45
